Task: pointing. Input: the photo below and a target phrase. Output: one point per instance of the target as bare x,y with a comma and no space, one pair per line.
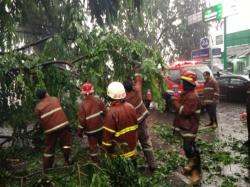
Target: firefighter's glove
167,96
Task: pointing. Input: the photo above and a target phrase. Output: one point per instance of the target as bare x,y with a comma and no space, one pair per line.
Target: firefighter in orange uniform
211,98
120,124
186,124
134,97
91,112
55,124
247,143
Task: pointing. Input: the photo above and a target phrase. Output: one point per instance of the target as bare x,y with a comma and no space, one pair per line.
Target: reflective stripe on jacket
186,121
211,92
51,115
120,130
90,114
134,97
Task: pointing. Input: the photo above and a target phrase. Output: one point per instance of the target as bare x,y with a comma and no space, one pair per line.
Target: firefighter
211,98
56,126
247,143
120,125
134,97
90,114
186,124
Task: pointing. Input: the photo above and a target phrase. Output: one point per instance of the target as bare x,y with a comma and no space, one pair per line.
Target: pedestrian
211,98
91,113
134,97
148,99
186,124
56,126
120,125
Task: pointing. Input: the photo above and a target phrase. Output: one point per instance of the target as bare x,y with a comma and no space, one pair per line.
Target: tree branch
29,45
54,62
161,34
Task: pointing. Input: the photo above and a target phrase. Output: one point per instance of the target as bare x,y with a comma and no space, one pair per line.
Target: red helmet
87,88
189,76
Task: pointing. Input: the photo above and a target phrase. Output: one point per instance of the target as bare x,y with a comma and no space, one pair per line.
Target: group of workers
115,130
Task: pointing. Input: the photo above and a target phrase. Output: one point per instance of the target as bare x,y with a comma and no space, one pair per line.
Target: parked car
174,72
233,87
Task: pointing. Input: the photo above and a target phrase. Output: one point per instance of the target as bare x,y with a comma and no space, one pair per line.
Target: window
174,75
223,81
199,70
237,81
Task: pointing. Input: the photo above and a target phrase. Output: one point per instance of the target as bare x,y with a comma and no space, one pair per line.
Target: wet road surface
230,129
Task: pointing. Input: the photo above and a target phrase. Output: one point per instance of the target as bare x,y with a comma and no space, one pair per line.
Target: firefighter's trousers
146,144
211,110
248,119
65,139
94,140
192,152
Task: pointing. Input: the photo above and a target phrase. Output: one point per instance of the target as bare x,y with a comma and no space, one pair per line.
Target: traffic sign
219,39
213,12
200,53
216,52
195,18
204,43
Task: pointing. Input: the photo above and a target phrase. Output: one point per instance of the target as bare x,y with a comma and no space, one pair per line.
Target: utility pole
225,44
211,52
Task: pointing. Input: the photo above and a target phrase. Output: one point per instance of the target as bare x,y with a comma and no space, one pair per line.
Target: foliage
33,19
4,173
163,26
214,153
110,9
229,182
105,57
187,37
168,135
111,172
121,172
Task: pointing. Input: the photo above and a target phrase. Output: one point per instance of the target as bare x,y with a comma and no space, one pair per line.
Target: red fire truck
174,72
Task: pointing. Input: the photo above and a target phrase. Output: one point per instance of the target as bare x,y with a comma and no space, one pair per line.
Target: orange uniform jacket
134,97
211,91
187,117
51,114
91,112
120,127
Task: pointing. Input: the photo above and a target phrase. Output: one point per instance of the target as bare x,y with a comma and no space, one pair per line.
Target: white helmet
116,90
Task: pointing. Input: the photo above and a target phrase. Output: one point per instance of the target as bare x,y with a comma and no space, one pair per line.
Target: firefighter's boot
188,168
215,122
150,160
195,177
210,124
196,171
66,153
47,161
95,157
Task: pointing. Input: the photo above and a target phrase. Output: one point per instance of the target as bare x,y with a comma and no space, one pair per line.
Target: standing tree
163,26
187,37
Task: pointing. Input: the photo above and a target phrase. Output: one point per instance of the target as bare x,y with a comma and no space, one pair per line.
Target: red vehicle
174,73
